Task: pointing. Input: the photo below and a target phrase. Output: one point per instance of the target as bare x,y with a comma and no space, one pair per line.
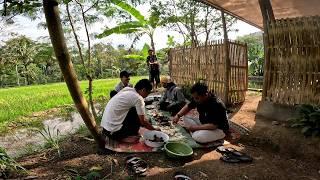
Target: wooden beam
227,59
268,17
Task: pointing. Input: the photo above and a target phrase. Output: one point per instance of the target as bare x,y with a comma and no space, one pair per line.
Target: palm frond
131,10
123,28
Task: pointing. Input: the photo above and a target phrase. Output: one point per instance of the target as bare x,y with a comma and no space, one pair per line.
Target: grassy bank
23,101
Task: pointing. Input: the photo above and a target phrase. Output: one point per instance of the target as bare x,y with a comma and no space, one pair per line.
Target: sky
29,28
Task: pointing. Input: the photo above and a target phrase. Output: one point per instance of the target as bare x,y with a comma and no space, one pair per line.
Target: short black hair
150,50
199,88
143,83
124,73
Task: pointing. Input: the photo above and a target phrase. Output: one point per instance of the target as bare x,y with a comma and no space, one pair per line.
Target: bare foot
130,139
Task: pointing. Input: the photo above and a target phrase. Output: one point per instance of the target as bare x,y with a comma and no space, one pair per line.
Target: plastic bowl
149,135
178,150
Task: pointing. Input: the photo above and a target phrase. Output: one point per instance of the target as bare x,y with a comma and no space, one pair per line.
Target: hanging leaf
123,28
131,10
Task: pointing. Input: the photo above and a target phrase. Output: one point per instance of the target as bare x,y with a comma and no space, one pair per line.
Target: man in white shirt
125,113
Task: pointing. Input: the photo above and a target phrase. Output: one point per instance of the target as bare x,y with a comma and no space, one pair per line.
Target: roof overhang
249,10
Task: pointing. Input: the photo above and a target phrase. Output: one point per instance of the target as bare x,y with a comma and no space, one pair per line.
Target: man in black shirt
154,72
212,124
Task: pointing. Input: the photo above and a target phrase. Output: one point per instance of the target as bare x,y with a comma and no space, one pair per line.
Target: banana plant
142,56
140,26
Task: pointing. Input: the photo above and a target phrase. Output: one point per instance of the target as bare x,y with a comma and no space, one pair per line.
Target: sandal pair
136,165
231,155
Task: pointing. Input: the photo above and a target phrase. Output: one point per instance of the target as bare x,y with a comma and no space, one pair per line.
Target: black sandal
229,158
230,155
136,165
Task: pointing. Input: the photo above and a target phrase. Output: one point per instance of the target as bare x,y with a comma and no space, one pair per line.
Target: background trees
255,53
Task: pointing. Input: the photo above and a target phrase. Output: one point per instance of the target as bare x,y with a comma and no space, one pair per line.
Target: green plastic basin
178,149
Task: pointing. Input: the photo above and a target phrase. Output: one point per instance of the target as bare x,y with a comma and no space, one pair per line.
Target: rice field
24,101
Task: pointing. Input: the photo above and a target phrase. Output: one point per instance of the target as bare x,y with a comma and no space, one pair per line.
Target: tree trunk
60,48
93,110
26,75
17,73
152,44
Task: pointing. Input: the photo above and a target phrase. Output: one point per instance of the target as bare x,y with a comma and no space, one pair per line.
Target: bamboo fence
292,73
207,63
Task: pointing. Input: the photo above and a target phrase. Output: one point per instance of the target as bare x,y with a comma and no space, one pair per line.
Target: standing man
213,123
125,113
124,82
154,72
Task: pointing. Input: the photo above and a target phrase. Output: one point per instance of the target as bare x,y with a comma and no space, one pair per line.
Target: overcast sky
25,26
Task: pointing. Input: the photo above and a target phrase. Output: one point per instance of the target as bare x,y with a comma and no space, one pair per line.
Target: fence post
268,16
227,60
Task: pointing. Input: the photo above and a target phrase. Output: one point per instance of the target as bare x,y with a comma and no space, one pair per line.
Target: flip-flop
232,153
136,165
241,156
181,176
229,158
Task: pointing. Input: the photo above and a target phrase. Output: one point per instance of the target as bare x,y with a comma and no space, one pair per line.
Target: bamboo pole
226,58
267,15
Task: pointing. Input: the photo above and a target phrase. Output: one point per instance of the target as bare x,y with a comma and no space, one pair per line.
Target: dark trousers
130,126
174,109
154,75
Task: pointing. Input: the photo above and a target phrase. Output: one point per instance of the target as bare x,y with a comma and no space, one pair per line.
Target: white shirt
119,106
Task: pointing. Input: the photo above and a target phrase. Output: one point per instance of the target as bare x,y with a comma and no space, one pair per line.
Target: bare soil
279,152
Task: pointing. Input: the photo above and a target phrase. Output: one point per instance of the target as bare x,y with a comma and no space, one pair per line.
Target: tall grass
23,101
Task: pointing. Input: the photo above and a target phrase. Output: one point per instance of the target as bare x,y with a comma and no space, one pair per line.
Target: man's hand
175,119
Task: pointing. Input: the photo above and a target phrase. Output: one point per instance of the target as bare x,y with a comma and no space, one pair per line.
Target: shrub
308,120
8,166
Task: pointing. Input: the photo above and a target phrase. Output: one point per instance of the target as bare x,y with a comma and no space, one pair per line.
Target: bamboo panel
206,63
293,73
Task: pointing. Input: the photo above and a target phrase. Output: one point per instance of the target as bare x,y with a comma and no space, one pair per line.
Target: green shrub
308,120
8,166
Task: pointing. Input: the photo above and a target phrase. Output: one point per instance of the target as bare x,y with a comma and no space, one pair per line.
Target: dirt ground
278,151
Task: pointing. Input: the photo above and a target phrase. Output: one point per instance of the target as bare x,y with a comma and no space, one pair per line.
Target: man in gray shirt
125,78
173,99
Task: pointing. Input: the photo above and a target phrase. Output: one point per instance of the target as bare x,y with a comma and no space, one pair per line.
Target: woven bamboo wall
207,63
292,73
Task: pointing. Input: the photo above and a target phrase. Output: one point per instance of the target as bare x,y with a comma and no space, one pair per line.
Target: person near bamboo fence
212,124
154,69
173,99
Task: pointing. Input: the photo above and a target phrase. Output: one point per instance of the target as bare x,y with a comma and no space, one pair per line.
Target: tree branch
96,3
76,38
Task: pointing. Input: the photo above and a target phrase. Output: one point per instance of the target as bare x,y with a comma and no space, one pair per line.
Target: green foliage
308,120
51,140
8,165
193,20
24,61
130,9
255,53
142,26
186,89
90,176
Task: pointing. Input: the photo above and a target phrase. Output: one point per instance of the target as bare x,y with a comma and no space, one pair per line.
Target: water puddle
22,139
